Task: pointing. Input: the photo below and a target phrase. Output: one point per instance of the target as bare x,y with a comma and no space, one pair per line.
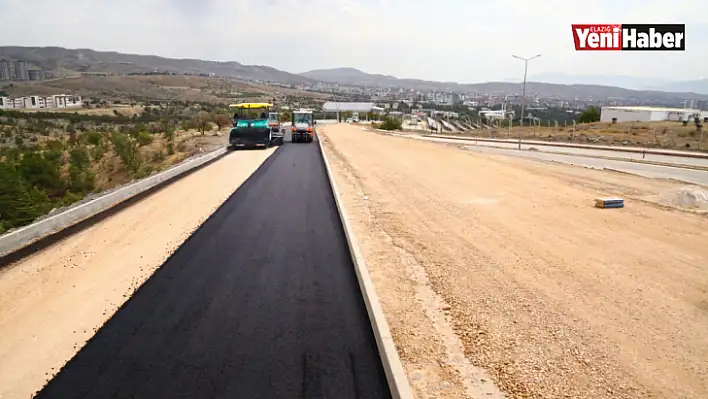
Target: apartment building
35,74
21,70
41,102
7,72
16,70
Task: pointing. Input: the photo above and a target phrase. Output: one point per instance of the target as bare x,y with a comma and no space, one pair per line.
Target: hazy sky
459,40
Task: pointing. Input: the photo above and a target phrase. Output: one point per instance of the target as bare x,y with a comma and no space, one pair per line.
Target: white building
649,114
332,106
56,101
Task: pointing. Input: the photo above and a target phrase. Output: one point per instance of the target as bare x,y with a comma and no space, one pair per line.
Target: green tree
42,172
127,149
20,204
590,115
81,179
79,157
93,138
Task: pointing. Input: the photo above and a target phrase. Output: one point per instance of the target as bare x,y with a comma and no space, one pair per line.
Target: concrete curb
20,238
642,161
589,147
395,374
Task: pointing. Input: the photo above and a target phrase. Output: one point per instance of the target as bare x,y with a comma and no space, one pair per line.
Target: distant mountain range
628,82
64,62
67,62
353,76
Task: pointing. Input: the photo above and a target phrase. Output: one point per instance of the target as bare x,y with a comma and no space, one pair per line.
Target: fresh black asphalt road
261,302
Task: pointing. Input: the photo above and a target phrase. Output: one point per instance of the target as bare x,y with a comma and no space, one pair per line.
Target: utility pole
523,90
336,102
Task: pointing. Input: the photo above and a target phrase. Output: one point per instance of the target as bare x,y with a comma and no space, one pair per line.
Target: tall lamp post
523,90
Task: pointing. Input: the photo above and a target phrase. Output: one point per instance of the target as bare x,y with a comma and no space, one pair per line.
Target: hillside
355,77
154,87
52,160
66,61
70,63
698,86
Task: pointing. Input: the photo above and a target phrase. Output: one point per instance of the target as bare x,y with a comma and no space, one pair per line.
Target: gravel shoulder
548,295
52,302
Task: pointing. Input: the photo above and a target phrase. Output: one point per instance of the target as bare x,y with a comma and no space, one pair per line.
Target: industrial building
331,106
353,107
649,114
56,101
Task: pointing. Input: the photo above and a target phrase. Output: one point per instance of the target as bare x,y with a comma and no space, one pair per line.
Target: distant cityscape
19,71
392,100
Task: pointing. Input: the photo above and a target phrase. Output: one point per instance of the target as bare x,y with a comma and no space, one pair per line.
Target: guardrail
18,239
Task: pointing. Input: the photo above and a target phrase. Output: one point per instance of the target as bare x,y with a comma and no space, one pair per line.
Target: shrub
391,124
144,171
20,203
81,180
144,138
93,138
79,157
43,172
127,150
590,115
158,156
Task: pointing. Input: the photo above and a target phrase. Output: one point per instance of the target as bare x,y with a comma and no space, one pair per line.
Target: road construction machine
303,126
276,128
250,127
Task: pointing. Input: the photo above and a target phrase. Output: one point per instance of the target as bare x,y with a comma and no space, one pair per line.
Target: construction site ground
497,274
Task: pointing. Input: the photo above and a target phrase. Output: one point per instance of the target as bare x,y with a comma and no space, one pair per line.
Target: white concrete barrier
22,237
393,368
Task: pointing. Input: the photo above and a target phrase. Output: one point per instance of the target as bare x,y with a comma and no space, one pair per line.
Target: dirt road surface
52,302
506,261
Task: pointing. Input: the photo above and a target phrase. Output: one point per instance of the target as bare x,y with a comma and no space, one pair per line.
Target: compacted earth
498,275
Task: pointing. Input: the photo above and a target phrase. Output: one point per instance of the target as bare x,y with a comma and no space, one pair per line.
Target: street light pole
523,91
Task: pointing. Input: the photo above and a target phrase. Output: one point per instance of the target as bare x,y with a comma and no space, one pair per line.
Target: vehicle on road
276,127
251,128
303,128
355,117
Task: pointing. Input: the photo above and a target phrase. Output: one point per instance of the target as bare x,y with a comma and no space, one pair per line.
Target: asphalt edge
160,269
26,236
393,368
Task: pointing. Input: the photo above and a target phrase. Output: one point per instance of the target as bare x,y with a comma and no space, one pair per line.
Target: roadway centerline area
261,302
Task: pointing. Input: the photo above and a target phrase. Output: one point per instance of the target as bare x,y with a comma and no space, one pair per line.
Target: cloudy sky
456,40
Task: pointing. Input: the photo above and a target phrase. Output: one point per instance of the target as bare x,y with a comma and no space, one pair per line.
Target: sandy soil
508,259
52,302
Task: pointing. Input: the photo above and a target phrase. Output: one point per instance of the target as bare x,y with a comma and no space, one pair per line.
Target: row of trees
32,183
60,172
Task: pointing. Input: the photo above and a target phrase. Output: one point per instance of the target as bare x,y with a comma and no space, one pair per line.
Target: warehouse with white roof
649,114
350,107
